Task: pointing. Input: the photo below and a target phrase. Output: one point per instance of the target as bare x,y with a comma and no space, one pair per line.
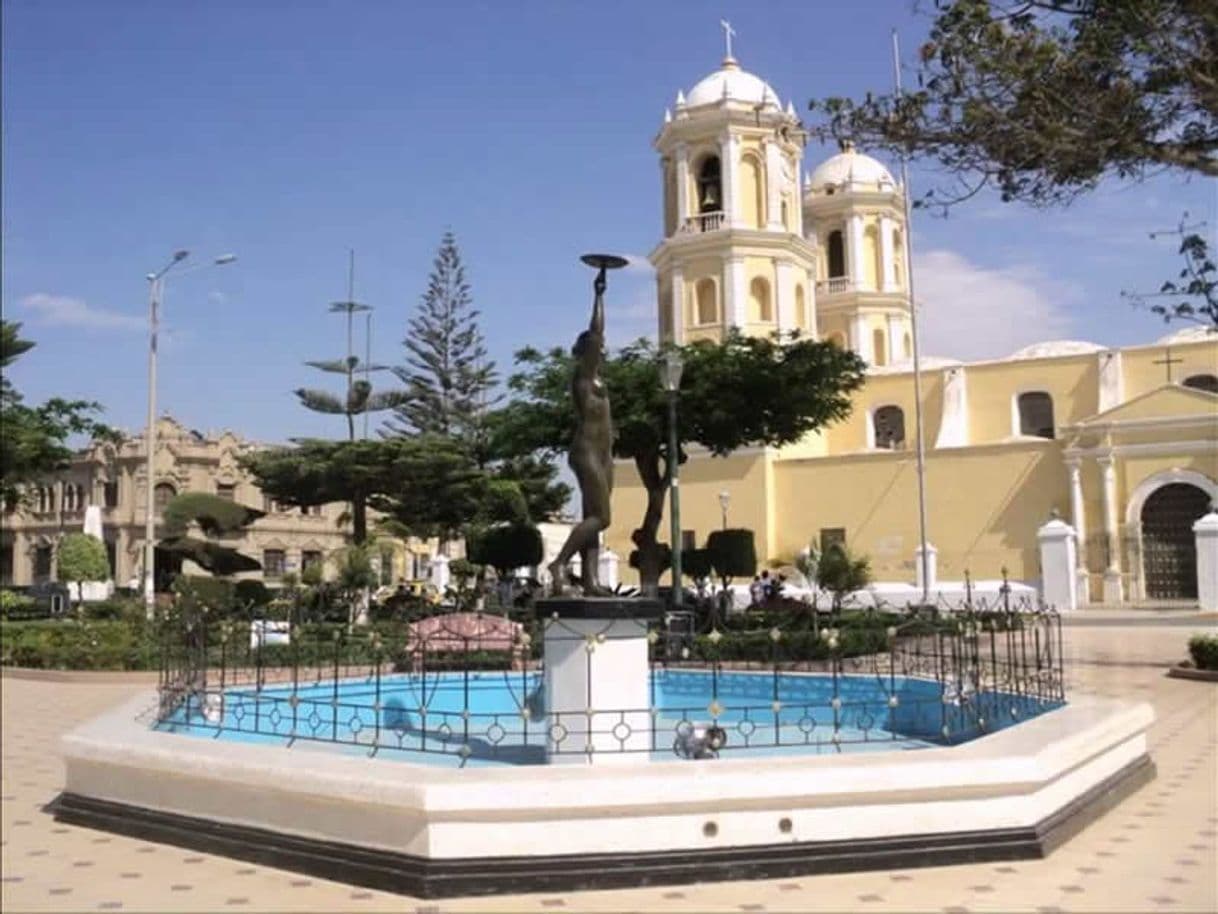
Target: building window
759,301
1207,382
837,254
110,494
46,499
227,491
879,347
310,558
707,302
898,257
831,536
162,494
274,563
1036,414
386,566
889,423
42,564
112,558
6,563
310,511
710,186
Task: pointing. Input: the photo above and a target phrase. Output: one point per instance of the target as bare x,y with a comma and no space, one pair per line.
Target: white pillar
1113,591
773,171
861,344
1079,521
1058,565
677,325
683,208
727,173
1112,380
735,296
854,251
810,304
1206,533
932,568
609,564
440,574
798,202
784,294
895,351
597,688
954,426
888,281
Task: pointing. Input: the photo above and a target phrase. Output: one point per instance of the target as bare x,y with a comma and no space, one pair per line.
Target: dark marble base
600,608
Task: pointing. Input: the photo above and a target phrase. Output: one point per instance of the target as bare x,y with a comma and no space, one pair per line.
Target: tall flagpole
919,441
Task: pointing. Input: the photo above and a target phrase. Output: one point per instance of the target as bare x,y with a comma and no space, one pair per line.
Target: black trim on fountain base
642,608
426,878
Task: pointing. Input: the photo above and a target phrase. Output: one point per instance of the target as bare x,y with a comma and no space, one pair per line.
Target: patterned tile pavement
1156,851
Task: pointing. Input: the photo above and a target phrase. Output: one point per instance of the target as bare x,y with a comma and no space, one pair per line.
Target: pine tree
447,373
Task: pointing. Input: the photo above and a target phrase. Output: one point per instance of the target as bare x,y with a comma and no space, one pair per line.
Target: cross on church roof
728,32
1167,361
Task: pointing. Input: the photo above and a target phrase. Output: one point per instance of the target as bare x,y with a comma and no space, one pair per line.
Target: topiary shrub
252,593
733,553
506,547
196,592
1204,651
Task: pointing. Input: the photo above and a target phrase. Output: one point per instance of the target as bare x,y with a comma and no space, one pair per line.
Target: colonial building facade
287,539
1122,442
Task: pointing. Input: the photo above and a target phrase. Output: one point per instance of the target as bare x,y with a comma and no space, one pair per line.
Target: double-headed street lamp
671,378
156,292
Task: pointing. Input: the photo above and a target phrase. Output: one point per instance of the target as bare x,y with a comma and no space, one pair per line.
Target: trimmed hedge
68,644
1204,651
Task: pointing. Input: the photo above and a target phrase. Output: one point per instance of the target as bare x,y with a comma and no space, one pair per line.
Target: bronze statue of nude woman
591,455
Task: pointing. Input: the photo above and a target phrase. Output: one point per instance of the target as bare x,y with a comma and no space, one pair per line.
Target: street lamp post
671,370
156,291
725,498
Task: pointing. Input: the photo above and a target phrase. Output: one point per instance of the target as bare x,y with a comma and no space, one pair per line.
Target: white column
861,343
854,250
773,172
677,325
932,568
797,164
810,304
1112,381
1206,532
888,281
895,351
1112,532
1058,564
683,209
735,296
727,171
1078,520
784,294
954,426
440,574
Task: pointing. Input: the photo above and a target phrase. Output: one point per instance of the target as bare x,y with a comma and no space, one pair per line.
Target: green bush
15,605
114,608
73,645
252,593
733,553
1204,651
197,591
506,547
842,573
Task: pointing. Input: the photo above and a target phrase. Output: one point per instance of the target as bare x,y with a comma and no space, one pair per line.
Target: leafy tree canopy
745,391
35,437
216,517
82,558
1043,98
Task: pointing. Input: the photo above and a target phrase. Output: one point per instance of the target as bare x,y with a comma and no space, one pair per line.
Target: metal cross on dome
728,32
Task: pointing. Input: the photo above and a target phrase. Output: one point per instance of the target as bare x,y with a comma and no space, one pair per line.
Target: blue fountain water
496,718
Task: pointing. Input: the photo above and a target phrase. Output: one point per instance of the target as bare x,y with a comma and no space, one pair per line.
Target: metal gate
1169,553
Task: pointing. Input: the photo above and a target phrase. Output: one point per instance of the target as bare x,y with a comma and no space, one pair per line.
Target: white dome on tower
734,84
849,168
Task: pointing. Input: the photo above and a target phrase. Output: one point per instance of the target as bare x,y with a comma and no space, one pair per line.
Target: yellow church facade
1122,443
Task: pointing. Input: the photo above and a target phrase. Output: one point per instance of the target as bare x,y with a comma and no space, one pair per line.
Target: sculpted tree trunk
650,558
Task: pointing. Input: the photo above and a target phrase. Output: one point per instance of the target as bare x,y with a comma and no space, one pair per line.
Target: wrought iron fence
472,686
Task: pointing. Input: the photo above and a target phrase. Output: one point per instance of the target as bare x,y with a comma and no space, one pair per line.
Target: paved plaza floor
1153,852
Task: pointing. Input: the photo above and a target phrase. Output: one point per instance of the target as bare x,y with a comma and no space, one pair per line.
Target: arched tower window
879,347
161,495
707,303
752,186
69,497
872,264
710,186
898,257
1036,414
801,308
1207,382
837,254
889,424
760,309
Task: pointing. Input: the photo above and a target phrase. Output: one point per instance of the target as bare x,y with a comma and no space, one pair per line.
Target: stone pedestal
932,568
598,679
1206,532
1058,565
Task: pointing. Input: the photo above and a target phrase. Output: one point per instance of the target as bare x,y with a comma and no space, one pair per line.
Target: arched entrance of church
1169,553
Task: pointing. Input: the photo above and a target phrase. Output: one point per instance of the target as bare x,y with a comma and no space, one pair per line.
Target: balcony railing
834,285
703,222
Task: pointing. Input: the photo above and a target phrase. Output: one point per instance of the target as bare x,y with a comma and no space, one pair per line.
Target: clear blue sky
288,132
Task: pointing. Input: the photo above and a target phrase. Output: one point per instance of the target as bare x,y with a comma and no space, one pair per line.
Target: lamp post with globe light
156,293
725,498
670,370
